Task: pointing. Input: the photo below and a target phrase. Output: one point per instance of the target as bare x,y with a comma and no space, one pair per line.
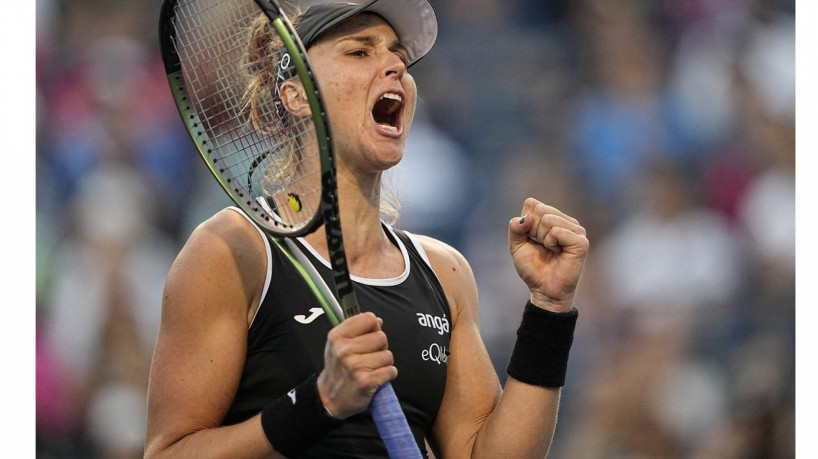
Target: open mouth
387,111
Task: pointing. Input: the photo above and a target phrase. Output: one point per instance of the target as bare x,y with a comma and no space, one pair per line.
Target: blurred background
667,127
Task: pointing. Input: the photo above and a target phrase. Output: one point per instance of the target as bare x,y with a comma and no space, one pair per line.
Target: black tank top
286,342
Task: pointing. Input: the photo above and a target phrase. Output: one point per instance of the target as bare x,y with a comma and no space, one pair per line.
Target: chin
385,156
385,163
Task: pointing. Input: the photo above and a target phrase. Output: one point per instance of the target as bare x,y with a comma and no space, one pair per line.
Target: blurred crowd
667,127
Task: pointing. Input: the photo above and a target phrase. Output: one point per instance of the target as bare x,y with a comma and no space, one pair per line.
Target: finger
528,206
560,239
544,209
520,226
371,361
534,211
550,242
518,229
356,325
535,206
362,344
370,381
547,222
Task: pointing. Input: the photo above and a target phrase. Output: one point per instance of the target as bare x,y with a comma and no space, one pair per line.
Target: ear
294,99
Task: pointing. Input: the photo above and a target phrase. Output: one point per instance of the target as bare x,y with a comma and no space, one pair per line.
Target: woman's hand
548,249
356,362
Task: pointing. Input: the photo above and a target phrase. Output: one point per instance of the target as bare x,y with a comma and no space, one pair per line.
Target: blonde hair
263,63
263,56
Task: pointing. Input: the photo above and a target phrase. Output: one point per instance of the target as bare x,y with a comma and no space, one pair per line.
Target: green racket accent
320,295
193,123
332,222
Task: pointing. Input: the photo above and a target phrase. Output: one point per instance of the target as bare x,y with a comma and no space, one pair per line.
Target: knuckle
354,365
343,351
356,319
550,219
374,380
363,381
369,317
381,340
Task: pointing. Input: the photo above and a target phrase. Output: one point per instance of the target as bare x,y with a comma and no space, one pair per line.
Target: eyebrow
371,40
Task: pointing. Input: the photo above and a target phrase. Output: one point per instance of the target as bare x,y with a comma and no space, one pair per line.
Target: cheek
409,115
411,91
329,84
340,99
330,92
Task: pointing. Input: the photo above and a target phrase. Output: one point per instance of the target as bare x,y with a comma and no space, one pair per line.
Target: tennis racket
239,75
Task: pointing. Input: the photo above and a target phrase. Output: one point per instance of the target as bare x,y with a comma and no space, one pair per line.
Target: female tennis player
247,366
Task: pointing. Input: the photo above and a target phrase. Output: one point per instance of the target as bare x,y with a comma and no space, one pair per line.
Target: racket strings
260,155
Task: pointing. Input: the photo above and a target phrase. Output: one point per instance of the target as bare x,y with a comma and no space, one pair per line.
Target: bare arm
478,419
201,347
210,296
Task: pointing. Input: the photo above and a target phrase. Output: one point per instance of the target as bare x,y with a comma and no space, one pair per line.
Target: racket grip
392,425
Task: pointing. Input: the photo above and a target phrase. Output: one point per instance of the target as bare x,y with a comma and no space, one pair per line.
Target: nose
394,66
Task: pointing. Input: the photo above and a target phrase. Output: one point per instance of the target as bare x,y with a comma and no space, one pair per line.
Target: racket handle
392,425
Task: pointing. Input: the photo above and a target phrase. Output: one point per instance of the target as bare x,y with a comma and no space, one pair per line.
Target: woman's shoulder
440,252
452,270
225,240
228,229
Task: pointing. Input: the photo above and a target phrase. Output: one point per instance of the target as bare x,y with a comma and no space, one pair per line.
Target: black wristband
540,355
297,420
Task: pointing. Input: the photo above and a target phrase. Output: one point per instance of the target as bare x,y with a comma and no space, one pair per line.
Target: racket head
234,68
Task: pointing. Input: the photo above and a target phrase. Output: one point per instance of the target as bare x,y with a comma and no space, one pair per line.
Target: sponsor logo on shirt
436,353
302,319
436,322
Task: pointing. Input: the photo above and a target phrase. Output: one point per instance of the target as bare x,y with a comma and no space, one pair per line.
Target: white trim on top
269,275
388,282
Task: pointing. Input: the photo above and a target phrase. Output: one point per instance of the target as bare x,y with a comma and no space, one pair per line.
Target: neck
359,208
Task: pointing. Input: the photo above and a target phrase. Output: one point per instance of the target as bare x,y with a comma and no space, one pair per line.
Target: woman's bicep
200,351
472,392
472,388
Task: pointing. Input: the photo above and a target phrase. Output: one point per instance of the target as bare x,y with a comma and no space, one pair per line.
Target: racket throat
340,269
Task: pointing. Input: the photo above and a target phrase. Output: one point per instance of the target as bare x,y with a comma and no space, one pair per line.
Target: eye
358,53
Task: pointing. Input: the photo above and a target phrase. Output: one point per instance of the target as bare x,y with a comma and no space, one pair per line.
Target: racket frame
328,208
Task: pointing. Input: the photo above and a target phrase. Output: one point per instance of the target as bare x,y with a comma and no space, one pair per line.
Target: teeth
392,96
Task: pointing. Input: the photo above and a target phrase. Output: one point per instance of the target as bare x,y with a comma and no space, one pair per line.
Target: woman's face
369,96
